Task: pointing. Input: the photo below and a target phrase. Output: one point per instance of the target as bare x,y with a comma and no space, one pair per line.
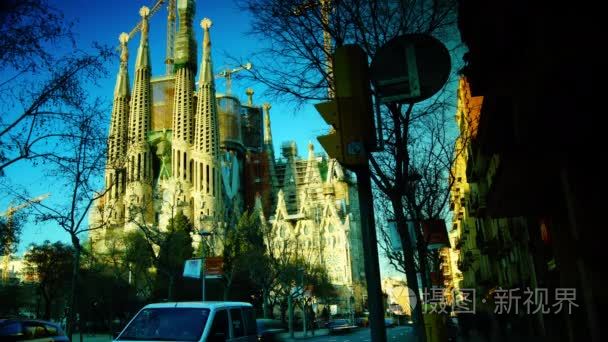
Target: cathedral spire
143,52
206,75
139,161
313,175
207,177
269,149
117,137
185,46
267,131
183,100
122,80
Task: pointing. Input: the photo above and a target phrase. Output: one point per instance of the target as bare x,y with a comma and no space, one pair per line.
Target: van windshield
166,324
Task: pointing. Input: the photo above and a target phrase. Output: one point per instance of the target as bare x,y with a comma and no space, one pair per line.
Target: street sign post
192,268
409,68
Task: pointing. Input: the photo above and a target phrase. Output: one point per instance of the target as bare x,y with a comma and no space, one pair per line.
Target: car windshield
167,324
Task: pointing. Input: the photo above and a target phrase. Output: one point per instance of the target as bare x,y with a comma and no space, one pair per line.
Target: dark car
269,329
389,322
362,321
340,325
18,329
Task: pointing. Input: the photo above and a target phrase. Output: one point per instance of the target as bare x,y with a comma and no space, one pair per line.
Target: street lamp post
303,304
351,302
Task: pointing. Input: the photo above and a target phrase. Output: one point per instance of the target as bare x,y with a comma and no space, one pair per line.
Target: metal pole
290,309
203,276
203,265
370,254
304,305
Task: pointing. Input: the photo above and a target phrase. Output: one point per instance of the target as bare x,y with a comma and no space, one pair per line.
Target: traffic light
350,113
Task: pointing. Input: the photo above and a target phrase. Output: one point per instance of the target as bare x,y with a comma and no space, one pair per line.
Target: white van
192,321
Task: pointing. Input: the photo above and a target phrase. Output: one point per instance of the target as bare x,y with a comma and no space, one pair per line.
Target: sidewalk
299,335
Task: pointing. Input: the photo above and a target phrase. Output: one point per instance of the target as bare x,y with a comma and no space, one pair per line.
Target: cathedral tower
207,183
118,136
269,150
183,105
139,175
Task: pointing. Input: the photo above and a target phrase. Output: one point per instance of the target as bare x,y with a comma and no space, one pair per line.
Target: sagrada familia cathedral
176,144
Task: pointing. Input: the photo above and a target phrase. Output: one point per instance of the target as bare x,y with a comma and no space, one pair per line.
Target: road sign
214,266
410,68
192,268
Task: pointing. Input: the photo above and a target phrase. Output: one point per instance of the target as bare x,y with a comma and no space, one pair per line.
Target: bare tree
265,273
39,89
76,165
426,153
302,36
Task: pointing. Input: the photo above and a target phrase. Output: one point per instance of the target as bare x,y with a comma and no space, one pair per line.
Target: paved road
397,334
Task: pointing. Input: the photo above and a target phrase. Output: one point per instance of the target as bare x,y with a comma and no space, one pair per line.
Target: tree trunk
283,307
422,257
47,304
71,321
265,303
410,267
227,287
170,289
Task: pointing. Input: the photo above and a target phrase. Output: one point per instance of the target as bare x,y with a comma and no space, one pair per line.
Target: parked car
17,329
362,321
389,322
269,329
192,321
339,325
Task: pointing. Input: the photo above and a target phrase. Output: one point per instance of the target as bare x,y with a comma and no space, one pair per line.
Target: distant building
317,208
16,270
398,296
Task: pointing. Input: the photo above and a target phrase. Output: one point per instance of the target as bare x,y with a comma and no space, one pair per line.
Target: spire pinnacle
143,55
122,81
206,75
123,39
144,12
249,93
267,132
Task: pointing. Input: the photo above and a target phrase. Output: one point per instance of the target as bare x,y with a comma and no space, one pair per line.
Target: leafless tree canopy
299,36
28,27
38,88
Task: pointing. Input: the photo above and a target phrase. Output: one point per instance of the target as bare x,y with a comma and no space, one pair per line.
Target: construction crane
228,75
9,222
